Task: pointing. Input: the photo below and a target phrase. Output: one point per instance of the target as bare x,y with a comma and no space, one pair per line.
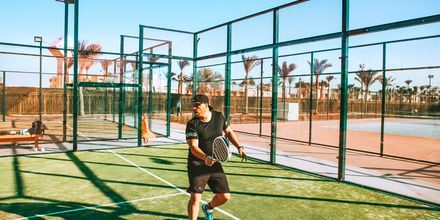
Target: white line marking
100,206
79,133
170,184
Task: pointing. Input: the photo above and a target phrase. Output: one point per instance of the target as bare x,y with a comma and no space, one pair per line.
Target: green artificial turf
102,185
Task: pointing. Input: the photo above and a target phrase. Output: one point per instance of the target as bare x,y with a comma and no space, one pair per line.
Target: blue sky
104,21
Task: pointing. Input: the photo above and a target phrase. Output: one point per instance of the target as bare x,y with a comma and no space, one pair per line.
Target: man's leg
219,199
193,205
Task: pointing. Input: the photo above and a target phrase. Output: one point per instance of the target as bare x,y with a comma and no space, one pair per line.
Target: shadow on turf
19,188
245,166
28,209
54,206
337,201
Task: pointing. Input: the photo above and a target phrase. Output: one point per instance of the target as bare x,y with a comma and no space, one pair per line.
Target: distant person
146,133
201,131
179,107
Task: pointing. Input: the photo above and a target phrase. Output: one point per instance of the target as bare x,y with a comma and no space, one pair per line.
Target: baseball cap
201,99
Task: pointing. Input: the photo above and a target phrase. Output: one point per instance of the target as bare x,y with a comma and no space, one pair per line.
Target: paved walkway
393,183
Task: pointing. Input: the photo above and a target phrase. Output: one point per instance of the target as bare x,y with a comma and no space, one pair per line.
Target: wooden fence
25,101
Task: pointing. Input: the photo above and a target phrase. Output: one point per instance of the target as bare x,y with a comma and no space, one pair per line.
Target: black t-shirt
205,132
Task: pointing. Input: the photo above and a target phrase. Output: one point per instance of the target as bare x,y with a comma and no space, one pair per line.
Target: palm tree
82,56
407,82
249,63
69,64
86,56
105,64
284,72
298,87
323,84
318,68
189,85
350,89
329,79
181,78
366,78
290,81
388,86
205,77
93,51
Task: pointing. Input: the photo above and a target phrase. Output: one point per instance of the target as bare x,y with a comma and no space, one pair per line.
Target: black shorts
199,175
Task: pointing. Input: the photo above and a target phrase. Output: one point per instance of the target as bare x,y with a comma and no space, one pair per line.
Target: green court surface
149,183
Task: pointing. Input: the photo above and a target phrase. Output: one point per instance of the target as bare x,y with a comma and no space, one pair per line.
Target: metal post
311,97
105,103
75,77
4,96
228,73
66,29
140,69
136,98
195,43
121,82
384,86
261,97
114,91
150,93
41,82
344,84
114,103
429,94
273,139
169,90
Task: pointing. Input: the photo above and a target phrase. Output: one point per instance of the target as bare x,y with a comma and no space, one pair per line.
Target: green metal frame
344,35
4,97
140,76
227,109
383,107
66,32
121,99
75,76
261,95
170,52
344,91
312,64
195,47
40,89
274,115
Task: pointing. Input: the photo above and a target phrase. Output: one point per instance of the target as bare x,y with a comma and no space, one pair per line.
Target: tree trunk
246,100
284,100
81,101
316,91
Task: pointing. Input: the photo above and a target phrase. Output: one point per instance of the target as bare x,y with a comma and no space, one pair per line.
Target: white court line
79,133
169,184
100,206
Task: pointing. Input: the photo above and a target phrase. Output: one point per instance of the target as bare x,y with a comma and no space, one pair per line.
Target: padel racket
220,149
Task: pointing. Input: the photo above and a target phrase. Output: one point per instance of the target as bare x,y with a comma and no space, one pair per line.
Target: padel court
150,183
336,124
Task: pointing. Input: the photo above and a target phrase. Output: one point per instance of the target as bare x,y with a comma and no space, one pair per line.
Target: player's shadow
38,208
72,210
161,161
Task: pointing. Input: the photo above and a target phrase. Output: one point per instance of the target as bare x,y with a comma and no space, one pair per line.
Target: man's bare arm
194,148
234,140
232,137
